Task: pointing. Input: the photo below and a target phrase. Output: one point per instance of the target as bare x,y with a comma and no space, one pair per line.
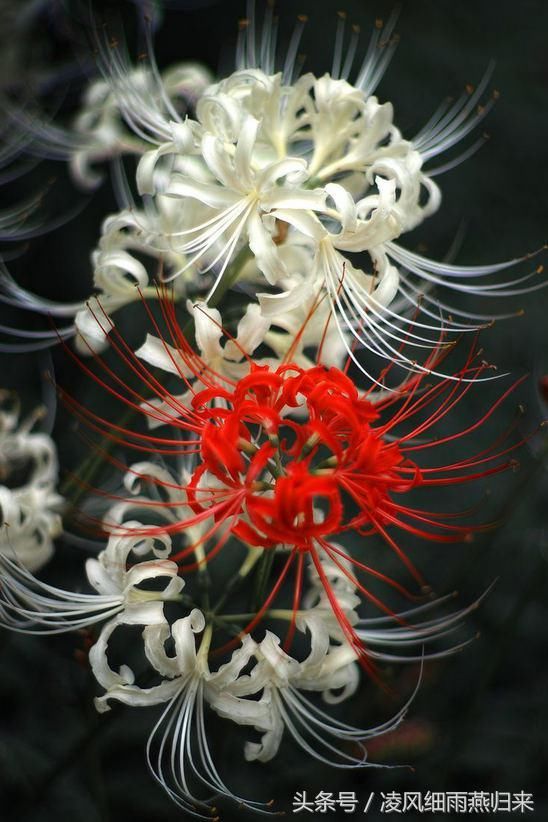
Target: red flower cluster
285,468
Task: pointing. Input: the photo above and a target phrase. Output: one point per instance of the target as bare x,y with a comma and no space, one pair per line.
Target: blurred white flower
100,122
29,502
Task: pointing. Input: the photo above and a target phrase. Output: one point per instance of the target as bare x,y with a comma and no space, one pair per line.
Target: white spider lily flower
268,219
31,606
329,669
29,506
244,167
227,362
342,134
450,123
350,146
178,752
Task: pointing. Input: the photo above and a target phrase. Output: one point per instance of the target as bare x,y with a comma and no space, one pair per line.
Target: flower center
297,453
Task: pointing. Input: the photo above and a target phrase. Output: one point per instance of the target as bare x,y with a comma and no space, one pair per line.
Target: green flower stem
253,556
275,613
261,578
230,277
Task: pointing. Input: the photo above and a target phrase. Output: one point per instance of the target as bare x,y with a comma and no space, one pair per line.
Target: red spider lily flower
290,457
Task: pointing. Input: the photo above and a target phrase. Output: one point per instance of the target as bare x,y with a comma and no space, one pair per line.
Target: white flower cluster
269,183
29,502
293,177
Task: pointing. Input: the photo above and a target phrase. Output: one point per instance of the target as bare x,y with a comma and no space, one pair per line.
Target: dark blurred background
480,719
